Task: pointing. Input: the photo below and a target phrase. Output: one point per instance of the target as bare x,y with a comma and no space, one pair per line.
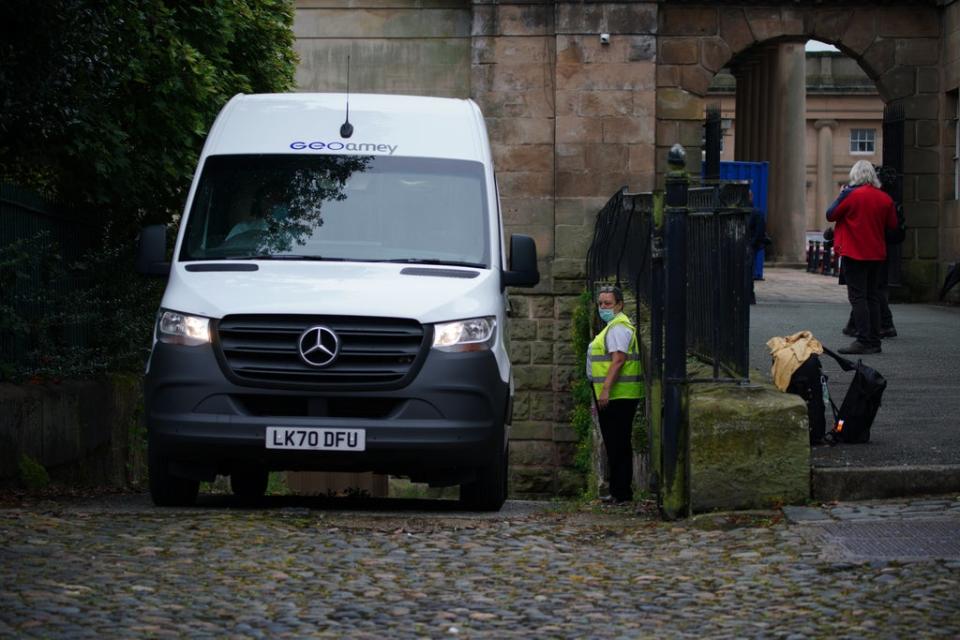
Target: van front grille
373,352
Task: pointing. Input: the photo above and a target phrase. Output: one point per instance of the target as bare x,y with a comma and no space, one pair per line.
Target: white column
787,223
825,189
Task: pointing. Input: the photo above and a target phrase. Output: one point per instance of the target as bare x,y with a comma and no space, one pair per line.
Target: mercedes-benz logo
319,346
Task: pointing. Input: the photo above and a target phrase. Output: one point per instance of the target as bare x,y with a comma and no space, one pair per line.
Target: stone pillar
739,121
756,132
770,103
787,222
824,170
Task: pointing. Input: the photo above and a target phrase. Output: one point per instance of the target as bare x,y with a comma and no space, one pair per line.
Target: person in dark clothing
757,232
862,213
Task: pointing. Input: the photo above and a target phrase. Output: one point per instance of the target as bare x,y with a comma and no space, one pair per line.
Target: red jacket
862,214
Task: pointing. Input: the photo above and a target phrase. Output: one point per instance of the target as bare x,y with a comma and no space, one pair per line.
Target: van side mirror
152,251
523,263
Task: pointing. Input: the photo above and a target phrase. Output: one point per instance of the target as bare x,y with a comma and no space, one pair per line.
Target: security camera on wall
604,38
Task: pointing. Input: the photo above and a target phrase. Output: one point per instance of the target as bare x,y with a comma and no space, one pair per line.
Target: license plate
316,439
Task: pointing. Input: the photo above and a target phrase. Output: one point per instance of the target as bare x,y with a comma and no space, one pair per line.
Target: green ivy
582,334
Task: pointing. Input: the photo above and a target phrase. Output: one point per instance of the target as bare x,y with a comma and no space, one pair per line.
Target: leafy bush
582,334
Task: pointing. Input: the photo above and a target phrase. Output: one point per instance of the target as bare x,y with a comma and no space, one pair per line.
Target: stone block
569,269
521,329
861,31
765,22
928,133
532,452
531,481
623,76
645,104
570,482
928,80
679,51
642,48
390,23
898,82
520,130
605,103
522,50
484,21
517,104
579,18
620,131
921,215
630,18
688,21
668,132
533,377
570,158
524,20
541,405
792,21
563,377
829,25
908,22
542,353
521,412
566,453
563,354
928,243
668,76
564,306
928,188
520,352
569,287
547,329
749,447
714,53
909,244
735,30
678,104
519,77
564,433
695,79
523,157
918,51
578,129
541,306
527,211
919,278
519,305
691,134
526,183
880,56
918,160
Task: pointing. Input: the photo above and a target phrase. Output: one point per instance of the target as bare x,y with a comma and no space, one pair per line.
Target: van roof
382,125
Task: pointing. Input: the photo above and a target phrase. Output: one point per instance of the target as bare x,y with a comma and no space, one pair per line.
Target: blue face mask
607,314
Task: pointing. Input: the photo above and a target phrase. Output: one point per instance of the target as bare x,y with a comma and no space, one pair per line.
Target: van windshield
336,207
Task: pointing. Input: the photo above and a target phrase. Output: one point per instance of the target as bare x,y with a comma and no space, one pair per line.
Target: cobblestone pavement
117,567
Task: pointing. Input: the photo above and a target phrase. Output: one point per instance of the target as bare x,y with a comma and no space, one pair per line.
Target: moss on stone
33,475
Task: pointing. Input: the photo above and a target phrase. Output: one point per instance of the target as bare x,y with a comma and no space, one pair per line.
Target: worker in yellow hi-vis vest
613,366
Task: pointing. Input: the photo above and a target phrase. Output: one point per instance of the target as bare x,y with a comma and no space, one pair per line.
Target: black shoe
849,331
856,347
888,333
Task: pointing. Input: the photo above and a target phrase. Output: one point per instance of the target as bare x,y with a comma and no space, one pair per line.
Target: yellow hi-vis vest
628,384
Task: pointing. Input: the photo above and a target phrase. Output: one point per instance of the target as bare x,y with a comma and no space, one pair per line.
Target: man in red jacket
862,213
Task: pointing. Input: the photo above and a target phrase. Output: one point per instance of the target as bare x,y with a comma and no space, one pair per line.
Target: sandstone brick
861,31
909,22
566,453
569,286
541,306
482,50
531,481
605,103
714,53
541,406
564,433
735,30
520,130
829,25
792,21
928,186
533,377
606,157
928,133
541,353
918,51
351,23
677,104
909,244
524,20
668,132
587,49
484,22
570,158
928,243
529,184
570,49
569,269
524,50
521,411
570,482
624,76
679,51
573,241
626,130
922,107
563,376
527,211
519,306
642,48
695,79
668,75
636,18
642,166
691,134
645,104
563,354
686,20
578,129
528,157
579,18
898,82
880,56
546,329
520,77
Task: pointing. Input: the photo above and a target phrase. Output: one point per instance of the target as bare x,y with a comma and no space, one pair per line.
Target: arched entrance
898,48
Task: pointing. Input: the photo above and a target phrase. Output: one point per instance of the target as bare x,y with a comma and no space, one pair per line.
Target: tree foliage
107,103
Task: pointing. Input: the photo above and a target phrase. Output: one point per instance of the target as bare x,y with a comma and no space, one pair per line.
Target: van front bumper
447,421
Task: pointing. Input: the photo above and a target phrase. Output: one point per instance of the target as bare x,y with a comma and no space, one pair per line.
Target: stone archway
897,46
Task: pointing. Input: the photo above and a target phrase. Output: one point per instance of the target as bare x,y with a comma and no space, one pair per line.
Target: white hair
862,172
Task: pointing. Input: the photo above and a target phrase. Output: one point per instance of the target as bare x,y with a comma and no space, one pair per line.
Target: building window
862,140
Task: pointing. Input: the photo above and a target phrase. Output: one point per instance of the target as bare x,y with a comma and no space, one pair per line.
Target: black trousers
616,426
863,291
886,316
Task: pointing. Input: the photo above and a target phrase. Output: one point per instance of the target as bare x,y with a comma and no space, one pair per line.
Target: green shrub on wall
582,391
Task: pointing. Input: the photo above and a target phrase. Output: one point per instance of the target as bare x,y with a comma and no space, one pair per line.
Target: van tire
489,491
166,489
249,483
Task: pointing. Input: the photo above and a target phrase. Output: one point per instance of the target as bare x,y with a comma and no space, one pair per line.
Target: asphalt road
919,421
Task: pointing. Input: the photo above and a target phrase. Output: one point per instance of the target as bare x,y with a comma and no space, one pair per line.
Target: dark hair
608,288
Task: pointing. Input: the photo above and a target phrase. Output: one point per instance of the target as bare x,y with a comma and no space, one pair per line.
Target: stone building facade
573,117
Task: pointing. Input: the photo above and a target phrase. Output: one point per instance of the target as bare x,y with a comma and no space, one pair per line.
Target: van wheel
166,489
489,491
249,483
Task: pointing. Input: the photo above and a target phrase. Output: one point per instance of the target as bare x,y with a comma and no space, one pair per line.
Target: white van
336,300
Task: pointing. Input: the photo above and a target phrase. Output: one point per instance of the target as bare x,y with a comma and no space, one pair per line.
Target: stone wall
949,237
82,432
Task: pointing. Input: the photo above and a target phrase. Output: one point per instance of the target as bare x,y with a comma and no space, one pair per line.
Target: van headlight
179,328
475,334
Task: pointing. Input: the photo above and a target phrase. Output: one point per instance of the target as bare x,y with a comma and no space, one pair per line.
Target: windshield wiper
449,263
285,256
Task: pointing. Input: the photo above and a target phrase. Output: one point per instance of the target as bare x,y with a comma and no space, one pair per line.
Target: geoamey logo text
359,147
